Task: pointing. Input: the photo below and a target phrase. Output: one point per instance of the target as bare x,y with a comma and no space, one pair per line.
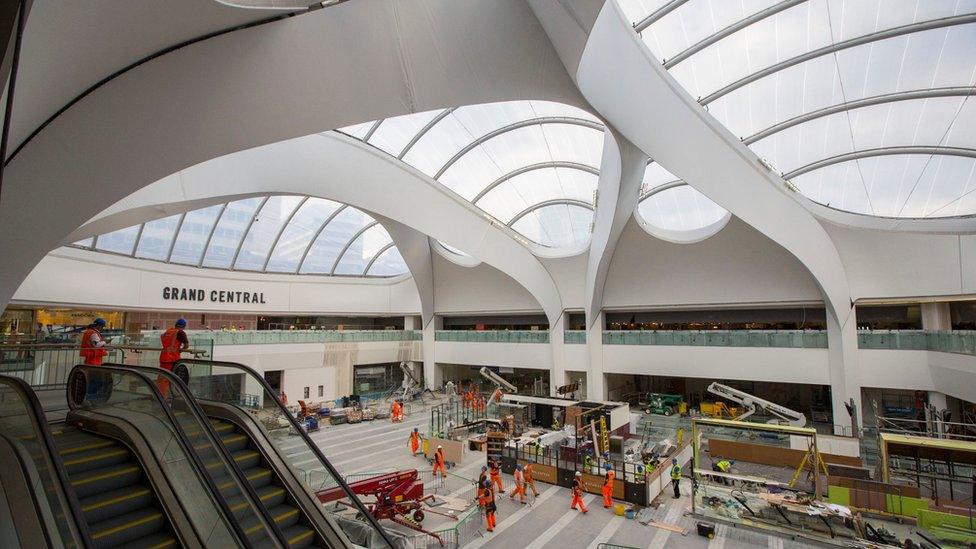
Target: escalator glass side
240,386
227,471
128,396
22,421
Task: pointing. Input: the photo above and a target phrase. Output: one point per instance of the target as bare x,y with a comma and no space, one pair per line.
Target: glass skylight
275,234
669,203
866,104
531,164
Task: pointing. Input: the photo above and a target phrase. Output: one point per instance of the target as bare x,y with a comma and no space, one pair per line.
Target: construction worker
578,493
519,485
529,481
482,481
608,487
487,502
92,343
414,441
174,342
723,466
496,476
675,477
439,461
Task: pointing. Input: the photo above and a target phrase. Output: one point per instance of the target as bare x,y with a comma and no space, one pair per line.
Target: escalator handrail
47,439
180,436
304,435
201,418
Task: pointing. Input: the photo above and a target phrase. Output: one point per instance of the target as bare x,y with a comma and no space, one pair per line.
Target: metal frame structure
93,246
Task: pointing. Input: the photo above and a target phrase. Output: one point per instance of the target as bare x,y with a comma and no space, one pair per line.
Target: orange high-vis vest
439,457
527,473
90,354
171,346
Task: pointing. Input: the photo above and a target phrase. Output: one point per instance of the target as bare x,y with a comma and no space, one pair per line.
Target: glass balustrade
24,428
574,337
493,336
260,337
800,339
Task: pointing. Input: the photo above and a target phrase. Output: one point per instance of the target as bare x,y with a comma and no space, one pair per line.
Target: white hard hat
579,474
439,446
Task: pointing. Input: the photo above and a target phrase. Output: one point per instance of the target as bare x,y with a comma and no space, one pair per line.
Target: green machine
664,404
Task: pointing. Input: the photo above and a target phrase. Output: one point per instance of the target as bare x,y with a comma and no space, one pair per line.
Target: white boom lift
752,404
501,386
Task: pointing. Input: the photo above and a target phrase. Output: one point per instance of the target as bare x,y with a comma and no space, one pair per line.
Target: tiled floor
545,522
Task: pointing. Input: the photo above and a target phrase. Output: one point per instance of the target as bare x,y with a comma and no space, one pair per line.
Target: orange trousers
441,467
162,382
531,484
497,481
607,496
490,520
578,500
414,446
518,490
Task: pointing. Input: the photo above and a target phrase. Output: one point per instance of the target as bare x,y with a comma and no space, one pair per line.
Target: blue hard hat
674,461
181,323
99,321
606,466
519,466
415,429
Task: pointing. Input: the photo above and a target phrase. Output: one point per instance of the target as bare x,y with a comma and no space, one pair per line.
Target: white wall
736,266
569,274
510,355
478,289
887,264
752,363
314,364
76,277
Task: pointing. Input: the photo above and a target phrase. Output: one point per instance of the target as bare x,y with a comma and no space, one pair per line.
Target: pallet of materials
354,415
369,414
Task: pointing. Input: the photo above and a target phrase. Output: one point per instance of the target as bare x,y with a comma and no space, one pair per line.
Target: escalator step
83,445
81,461
298,536
159,540
271,495
105,479
106,505
128,527
221,426
257,476
285,515
246,459
235,441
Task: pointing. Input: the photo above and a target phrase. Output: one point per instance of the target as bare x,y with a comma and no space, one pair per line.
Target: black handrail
181,438
44,431
202,419
301,432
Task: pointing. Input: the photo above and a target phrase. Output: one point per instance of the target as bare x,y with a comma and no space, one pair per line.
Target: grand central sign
173,293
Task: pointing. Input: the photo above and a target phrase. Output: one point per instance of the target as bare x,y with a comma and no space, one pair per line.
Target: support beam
881,151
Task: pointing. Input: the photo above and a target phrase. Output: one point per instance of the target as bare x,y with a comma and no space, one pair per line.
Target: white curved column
618,190
414,247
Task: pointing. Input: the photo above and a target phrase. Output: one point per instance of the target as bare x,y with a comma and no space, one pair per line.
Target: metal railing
43,365
259,337
493,336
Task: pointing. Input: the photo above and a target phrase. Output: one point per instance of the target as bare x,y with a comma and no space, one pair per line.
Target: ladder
808,463
604,435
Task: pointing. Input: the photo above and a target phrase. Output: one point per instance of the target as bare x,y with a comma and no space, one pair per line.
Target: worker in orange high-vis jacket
174,342
578,493
439,462
608,487
487,502
92,343
519,485
529,480
495,473
414,441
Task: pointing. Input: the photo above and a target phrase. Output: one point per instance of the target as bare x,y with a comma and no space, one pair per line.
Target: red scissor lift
398,495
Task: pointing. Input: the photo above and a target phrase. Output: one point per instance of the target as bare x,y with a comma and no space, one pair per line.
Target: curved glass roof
533,165
274,234
865,105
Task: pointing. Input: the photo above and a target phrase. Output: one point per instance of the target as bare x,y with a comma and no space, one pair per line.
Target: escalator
282,464
117,500
282,506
